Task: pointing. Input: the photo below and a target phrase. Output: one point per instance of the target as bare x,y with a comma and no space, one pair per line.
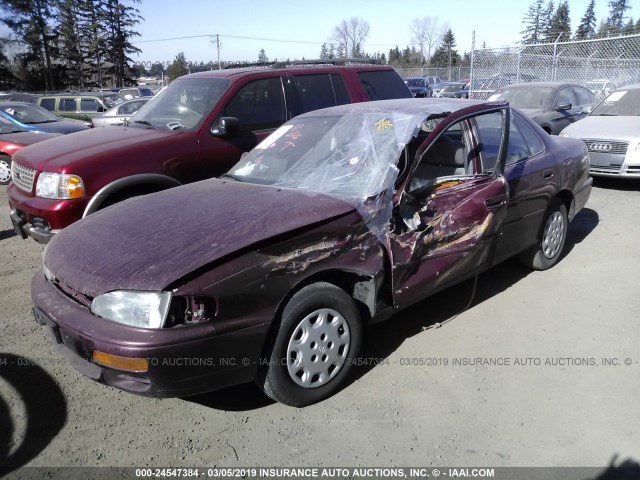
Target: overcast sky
301,27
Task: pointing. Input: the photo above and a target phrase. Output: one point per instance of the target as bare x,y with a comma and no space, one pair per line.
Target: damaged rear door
451,210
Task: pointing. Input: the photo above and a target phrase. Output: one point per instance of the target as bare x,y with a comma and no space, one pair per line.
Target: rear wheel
553,236
319,337
5,169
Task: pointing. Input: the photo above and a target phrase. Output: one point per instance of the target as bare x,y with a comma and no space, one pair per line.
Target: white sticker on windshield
267,142
615,96
493,97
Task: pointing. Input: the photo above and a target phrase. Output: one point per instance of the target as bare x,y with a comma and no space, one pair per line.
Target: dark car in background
37,119
197,128
552,105
336,220
453,90
418,86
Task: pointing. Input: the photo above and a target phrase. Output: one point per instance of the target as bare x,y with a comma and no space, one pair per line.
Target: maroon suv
197,128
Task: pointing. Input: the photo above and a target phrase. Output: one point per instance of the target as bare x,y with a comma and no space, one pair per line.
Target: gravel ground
560,412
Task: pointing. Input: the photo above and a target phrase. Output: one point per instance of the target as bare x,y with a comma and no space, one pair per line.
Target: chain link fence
446,74
601,65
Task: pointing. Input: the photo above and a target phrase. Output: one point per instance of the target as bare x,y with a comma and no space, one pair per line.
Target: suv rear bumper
42,218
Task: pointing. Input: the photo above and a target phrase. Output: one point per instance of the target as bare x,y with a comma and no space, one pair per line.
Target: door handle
547,174
495,202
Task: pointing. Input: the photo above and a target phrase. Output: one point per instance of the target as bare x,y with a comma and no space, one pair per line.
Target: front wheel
319,338
549,248
5,169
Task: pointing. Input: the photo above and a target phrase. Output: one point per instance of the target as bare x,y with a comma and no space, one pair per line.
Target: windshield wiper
233,177
606,115
144,122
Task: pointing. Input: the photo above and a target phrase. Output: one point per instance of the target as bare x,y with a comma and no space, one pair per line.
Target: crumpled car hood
149,242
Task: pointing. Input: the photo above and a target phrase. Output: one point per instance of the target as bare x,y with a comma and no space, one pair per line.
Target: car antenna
466,307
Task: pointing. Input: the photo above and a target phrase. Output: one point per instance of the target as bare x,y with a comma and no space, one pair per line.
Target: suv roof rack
326,61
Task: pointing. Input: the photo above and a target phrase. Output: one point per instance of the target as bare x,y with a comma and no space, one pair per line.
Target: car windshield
30,113
7,126
619,103
524,97
416,82
352,156
182,106
112,100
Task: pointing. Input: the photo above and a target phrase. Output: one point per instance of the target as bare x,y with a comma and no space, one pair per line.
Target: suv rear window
384,85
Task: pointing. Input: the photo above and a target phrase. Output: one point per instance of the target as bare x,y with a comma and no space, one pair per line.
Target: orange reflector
76,189
121,363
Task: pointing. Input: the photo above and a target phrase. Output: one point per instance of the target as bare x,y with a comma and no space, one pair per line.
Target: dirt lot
563,407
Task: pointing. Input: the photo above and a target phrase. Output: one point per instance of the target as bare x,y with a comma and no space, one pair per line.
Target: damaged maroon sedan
339,218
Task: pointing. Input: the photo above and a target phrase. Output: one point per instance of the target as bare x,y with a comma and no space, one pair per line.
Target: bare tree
351,35
426,35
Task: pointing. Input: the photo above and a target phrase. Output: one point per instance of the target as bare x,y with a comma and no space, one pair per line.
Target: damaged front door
451,211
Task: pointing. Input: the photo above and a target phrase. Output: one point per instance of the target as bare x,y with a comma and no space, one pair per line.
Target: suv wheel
5,169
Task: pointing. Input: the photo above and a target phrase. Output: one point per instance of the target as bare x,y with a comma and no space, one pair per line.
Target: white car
611,133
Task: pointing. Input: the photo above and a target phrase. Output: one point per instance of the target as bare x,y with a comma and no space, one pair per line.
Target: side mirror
101,109
563,107
225,127
587,109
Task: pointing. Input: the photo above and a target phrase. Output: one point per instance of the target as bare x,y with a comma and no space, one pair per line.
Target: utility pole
218,47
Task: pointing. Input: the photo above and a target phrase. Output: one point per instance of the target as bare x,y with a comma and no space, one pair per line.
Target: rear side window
89,105
584,96
315,91
48,103
68,104
258,105
383,85
321,90
340,90
533,141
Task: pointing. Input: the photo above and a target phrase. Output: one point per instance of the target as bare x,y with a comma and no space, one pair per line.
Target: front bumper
182,361
42,218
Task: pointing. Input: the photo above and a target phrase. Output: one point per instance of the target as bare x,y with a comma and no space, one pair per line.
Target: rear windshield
384,85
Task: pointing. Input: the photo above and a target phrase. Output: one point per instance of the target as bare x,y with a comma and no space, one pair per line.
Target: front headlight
138,309
59,186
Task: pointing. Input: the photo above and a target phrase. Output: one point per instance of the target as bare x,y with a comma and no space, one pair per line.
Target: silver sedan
118,114
611,133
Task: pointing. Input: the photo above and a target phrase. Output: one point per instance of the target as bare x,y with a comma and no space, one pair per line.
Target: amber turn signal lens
121,363
75,187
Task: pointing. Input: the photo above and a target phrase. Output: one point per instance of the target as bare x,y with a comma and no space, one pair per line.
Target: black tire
553,235
318,339
5,169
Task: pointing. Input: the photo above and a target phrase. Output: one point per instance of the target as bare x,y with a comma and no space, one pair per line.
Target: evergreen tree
445,54
262,57
561,23
533,23
178,68
587,27
31,20
68,34
120,20
615,21
324,52
547,17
